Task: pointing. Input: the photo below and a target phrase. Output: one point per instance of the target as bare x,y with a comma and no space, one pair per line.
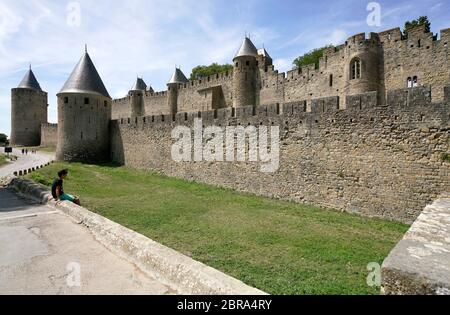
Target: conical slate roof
139,85
247,49
29,81
85,79
178,77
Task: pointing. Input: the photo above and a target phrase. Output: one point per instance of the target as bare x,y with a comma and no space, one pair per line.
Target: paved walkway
42,250
25,162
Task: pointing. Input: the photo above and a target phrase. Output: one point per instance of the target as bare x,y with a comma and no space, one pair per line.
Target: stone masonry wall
49,135
384,161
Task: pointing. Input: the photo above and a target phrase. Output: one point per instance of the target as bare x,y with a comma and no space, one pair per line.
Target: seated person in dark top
58,190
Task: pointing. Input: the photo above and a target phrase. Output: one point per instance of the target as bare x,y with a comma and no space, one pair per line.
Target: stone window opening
414,81
419,43
237,64
409,82
247,63
355,70
86,100
331,80
66,100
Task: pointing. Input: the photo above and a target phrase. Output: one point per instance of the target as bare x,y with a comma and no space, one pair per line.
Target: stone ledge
420,263
165,264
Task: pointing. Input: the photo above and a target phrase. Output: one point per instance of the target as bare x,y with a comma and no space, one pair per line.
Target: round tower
244,74
136,95
173,85
84,114
28,111
363,60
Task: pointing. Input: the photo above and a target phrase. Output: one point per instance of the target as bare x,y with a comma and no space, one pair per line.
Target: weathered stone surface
419,264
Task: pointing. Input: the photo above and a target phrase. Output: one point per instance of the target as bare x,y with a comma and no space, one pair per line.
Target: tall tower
84,114
137,98
177,78
28,111
244,74
363,65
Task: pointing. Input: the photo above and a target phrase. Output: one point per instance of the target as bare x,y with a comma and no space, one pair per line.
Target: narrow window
66,100
409,82
331,80
355,69
106,103
82,135
247,63
86,100
414,81
237,64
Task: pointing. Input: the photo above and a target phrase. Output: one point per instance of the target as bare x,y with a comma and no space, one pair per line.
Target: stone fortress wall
358,155
366,131
387,61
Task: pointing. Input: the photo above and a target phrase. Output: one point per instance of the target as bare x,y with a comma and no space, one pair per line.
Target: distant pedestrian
23,151
26,151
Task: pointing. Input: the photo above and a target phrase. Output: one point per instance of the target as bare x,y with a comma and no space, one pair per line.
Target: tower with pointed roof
84,114
28,111
136,95
173,86
244,74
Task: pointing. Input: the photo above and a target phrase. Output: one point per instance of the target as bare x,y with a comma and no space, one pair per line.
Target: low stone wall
420,263
163,263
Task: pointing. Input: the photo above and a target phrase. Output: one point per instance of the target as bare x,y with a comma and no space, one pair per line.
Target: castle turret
28,111
137,98
177,78
84,113
363,60
244,74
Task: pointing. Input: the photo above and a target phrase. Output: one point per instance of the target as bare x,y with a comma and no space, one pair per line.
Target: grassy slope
279,247
2,159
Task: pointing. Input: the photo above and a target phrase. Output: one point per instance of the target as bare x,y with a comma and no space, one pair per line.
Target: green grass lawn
279,247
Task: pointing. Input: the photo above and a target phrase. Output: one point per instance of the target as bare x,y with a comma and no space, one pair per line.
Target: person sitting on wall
58,191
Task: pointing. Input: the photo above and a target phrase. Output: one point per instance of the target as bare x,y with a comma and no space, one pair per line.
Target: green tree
214,68
423,20
3,138
311,57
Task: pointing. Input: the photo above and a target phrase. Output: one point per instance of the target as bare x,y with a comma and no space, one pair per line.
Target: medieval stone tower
28,111
84,113
363,58
244,74
177,78
136,94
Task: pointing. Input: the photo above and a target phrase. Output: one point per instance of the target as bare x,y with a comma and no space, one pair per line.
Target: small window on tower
414,84
66,100
247,63
237,64
86,100
106,103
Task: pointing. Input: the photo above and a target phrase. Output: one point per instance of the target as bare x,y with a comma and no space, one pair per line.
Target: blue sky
149,37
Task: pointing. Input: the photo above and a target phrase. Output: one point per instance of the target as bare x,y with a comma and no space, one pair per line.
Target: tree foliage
3,138
214,68
422,20
311,57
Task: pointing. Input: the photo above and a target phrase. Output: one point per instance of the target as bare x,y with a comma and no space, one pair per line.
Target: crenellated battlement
361,108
